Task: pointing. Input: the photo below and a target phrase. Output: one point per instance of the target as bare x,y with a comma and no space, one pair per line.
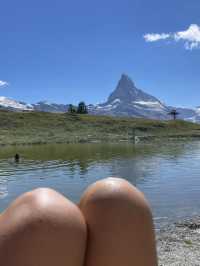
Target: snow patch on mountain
116,101
8,103
156,106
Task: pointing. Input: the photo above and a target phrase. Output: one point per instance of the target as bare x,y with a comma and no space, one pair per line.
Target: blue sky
66,51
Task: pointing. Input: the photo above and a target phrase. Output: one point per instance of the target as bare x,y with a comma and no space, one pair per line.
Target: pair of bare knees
112,226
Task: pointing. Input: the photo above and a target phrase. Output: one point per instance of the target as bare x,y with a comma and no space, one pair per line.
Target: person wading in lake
17,157
111,226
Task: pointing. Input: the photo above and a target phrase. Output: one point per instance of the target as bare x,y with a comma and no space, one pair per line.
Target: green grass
188,242
39,127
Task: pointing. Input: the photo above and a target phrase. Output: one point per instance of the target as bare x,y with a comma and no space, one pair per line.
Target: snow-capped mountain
188,114
126,91
45,106
192,116
127,100
10,104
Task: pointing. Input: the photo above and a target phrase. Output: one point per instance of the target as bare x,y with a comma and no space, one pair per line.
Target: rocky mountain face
125,100
128,100
127,92
50,107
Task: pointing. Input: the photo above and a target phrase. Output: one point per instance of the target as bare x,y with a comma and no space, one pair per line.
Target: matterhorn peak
127,92
126,79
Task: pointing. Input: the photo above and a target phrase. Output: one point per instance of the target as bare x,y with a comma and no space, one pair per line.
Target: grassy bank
38,127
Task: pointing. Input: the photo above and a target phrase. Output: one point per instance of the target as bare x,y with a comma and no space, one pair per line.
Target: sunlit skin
111,226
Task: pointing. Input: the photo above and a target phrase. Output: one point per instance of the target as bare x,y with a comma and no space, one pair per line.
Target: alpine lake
168,173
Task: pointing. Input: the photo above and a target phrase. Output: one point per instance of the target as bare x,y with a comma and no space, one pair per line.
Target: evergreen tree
71,109
82,108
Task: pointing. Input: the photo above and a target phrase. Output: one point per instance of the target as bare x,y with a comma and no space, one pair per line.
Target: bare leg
120,229
42,228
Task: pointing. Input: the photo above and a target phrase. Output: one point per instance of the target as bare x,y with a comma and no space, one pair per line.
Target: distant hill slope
42,127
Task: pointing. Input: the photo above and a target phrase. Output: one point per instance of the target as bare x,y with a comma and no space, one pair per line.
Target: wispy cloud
190,37
3,83
154,37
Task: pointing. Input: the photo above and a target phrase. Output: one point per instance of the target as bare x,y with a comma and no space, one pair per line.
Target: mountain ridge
125,100
128,100
127,91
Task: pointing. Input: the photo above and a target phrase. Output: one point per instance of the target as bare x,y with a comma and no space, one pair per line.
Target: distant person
17,157
111,226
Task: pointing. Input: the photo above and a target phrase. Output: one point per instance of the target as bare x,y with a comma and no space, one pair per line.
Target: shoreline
140,140
179,243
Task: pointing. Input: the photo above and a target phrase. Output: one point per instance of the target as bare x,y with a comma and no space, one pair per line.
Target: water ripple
169,175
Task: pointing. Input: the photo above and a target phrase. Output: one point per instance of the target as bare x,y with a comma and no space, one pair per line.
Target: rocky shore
179,244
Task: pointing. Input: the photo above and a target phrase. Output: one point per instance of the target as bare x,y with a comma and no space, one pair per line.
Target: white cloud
3,83
190,37
154,37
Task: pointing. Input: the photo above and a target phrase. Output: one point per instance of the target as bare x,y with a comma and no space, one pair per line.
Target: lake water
168,173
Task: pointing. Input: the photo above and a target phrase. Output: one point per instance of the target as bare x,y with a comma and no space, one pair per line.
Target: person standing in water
17,157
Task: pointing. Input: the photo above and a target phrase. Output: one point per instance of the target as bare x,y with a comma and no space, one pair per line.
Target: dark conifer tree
71,109
82,108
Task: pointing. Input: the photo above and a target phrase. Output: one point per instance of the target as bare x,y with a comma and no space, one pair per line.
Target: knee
119,223
45,208
42,228
114,197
